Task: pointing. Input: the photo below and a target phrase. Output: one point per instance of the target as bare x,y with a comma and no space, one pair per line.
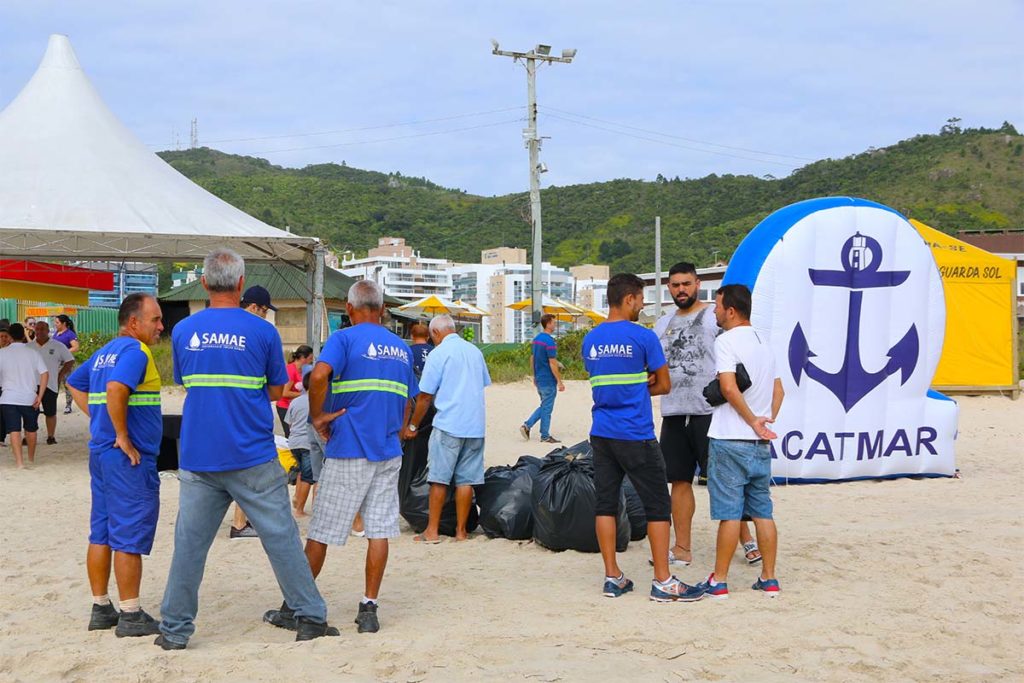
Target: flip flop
751,547
418,538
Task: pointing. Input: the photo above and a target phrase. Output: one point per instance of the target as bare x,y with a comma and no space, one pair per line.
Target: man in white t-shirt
24,377
59,361
739,458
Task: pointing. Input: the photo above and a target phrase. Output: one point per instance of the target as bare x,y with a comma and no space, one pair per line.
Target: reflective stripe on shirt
235,381
350,386
628,378
139,399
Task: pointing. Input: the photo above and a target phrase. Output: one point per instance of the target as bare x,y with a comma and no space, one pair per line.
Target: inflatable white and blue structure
851,300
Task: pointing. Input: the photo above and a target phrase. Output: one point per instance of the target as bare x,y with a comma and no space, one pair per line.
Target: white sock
712,581
666,581
368,601
616,579
130,605
101,600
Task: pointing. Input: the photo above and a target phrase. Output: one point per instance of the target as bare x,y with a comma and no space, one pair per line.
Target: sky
679,88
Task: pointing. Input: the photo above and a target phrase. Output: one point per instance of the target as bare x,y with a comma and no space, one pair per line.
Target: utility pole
193,138
532,139
657,267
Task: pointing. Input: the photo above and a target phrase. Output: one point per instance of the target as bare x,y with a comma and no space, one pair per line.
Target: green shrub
513,365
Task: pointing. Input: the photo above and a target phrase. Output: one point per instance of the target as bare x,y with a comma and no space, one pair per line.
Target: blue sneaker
674,591
615,588
769,587
719,591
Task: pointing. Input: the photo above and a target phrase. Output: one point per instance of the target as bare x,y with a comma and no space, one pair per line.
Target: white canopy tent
76,184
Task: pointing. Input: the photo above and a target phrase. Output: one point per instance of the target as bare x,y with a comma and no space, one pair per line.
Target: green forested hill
960,179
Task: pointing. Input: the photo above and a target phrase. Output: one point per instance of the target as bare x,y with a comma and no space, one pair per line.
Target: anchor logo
861,257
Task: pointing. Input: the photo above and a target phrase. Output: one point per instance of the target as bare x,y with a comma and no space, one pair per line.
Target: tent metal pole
316,336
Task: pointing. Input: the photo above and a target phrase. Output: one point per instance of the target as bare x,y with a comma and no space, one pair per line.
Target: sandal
750,548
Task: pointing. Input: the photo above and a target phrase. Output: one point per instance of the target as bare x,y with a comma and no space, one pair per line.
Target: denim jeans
543,413
739,477
204,497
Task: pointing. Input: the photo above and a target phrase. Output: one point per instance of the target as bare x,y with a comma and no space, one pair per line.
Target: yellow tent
980,348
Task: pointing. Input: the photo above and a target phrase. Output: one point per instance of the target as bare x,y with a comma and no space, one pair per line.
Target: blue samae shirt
372,378
225,358
127,361
619,355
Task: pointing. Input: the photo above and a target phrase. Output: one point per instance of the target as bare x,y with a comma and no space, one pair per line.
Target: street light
532,139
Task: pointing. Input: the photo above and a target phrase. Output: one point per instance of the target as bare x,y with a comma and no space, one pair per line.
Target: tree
952,126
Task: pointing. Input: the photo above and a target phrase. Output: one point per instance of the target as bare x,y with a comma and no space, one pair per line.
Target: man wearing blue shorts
739,458
627,367
119,389
454,378
359,395
232,367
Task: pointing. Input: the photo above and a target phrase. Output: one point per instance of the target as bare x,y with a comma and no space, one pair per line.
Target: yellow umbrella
471,311
432,305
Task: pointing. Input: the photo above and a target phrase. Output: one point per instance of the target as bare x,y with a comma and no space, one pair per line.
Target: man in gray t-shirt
687,337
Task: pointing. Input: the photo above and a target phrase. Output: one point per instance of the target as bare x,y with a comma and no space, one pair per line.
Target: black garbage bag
635,511
578,451
564,501
414,490
505,501
530,462
415,507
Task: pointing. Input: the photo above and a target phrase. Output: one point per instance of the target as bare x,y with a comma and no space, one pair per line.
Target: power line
365,128
391,139
676,137
670,144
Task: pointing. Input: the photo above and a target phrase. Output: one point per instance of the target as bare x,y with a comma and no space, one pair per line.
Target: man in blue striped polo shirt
232,366
627,367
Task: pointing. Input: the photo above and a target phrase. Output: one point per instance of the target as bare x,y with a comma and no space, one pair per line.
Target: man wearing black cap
256,300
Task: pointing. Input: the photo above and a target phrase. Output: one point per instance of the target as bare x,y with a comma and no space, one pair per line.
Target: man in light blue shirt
454,378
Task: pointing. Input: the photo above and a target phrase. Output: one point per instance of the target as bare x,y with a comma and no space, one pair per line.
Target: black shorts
642,461
49,403
684,443
16,416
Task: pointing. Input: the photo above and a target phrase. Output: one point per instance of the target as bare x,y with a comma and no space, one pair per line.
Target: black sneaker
103,617
307,629
281,618
135,624
366,618
246,531
51,440
162,642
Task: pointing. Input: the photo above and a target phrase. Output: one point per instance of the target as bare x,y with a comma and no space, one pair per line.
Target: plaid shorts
351,485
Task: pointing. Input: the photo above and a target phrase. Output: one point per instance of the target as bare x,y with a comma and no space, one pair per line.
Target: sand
894,580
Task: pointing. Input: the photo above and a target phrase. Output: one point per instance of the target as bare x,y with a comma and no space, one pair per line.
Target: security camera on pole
532,139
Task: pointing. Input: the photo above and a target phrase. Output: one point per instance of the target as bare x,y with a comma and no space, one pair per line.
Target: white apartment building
501,279
591,287
401,271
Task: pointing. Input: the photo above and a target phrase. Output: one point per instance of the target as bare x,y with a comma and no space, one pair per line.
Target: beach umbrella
472,311
433,305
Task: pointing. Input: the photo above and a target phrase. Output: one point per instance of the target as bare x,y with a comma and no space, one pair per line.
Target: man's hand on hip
322,423
128,448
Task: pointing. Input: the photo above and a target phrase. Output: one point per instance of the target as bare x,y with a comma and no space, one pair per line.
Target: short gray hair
366,294
222,269
442,323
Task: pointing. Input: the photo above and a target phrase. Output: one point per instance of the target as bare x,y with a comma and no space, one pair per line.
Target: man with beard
688,338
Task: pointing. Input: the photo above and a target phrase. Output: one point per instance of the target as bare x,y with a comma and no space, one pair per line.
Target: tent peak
59,54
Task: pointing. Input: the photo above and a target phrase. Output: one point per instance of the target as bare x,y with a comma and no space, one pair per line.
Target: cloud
811,79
